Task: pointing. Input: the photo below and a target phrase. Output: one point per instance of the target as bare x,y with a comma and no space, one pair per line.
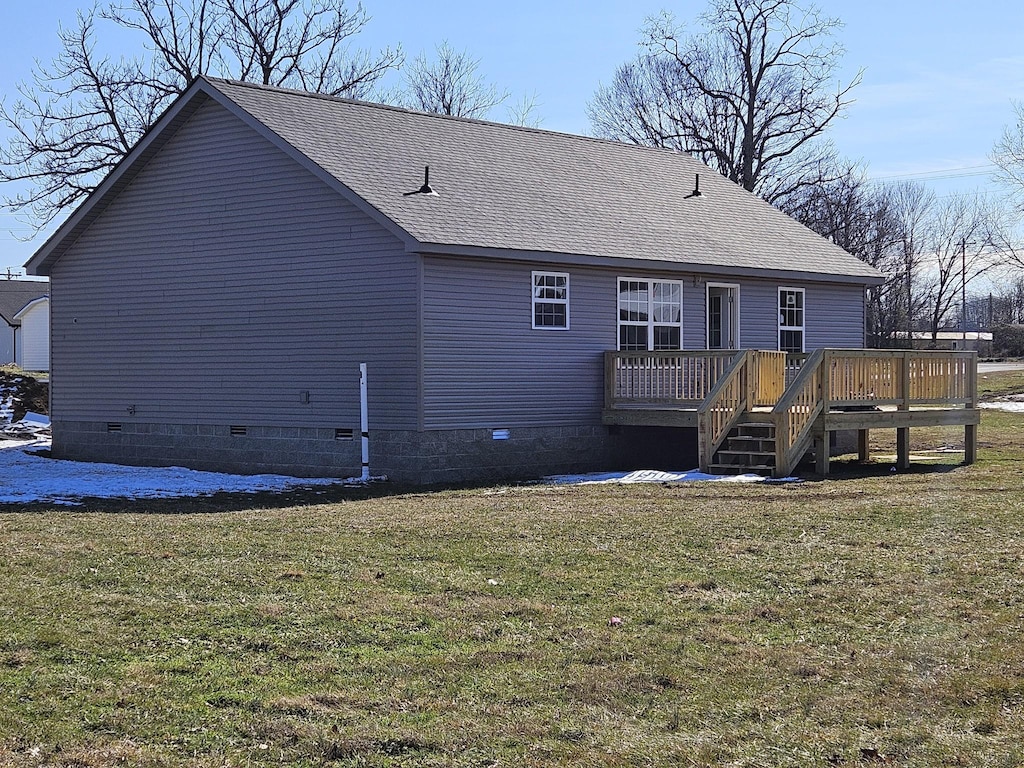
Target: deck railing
675,378
723,407
796,411
722,385
686,378
904,378
867,378
767,376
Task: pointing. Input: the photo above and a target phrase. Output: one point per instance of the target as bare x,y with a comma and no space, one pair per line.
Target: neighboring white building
14,296
34,347
979,341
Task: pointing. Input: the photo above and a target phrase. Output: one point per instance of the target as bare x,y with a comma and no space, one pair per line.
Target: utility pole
908,258
963,289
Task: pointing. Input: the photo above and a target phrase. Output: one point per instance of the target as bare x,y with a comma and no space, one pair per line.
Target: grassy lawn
871,619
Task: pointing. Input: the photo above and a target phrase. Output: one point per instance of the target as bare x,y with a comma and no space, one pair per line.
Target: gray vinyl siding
224,281
833,314
484,366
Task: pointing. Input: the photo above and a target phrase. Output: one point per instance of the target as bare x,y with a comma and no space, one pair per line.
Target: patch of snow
31,426
27,478
1014,406
656,476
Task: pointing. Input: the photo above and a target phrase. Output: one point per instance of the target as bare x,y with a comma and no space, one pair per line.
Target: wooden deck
802,398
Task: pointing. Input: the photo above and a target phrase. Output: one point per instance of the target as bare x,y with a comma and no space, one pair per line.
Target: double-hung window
791,319
551,300
650,314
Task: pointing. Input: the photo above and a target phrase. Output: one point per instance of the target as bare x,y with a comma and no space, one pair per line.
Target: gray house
213,299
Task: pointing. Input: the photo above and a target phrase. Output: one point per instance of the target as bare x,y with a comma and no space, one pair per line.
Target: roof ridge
455,118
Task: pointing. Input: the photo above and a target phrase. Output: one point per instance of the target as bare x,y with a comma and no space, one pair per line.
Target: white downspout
364,423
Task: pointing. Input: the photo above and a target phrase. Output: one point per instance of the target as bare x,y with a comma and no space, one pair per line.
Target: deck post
970,443
903,434
971,430
821,457
903,448
863,445
609,380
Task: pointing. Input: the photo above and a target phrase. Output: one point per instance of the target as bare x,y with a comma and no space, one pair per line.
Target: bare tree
752,96
450,85
865,220
1008,154
958,251
79,116
930,250
524,112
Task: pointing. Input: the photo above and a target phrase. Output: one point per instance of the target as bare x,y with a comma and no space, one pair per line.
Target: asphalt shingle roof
15,294
524,189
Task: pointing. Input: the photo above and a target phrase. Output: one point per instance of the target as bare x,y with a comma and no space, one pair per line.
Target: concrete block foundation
420,458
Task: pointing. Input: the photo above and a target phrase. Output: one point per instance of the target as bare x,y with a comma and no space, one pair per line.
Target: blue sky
939,77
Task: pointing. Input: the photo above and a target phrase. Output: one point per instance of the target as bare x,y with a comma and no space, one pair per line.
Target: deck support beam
863,445
903,448
821,457
970,443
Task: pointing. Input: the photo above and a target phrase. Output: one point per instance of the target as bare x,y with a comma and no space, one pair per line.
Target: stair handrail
722,409
795,413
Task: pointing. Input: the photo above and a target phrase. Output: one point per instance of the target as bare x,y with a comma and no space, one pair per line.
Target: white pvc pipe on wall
364,423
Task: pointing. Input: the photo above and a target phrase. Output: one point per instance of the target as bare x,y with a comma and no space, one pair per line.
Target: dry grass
869,619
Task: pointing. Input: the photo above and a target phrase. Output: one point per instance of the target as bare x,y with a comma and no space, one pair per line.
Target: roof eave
620,262
21,312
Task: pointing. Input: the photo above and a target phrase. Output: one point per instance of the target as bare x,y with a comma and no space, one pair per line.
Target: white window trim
650,314
735,313
535,300
803,314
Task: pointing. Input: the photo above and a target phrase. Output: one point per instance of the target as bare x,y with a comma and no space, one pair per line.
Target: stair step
749,449
758,444
751,458
740,469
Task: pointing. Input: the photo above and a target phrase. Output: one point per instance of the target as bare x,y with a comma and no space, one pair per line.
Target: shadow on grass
218,502
854,469
842,469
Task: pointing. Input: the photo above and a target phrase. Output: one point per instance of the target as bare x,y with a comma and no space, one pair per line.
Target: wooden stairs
749,449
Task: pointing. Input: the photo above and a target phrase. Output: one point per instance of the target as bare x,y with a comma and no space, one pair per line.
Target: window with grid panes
650,315
791,319
550,300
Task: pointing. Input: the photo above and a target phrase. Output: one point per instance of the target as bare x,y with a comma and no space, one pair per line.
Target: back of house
213,299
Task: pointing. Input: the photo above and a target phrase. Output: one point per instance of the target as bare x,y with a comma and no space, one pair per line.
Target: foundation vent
237,431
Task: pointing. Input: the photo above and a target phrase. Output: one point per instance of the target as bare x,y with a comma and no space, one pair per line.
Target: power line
943,173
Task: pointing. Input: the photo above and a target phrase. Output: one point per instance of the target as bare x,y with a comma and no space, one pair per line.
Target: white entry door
723,316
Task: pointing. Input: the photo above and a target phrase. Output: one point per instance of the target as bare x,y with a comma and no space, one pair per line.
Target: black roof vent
426,189
696,189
